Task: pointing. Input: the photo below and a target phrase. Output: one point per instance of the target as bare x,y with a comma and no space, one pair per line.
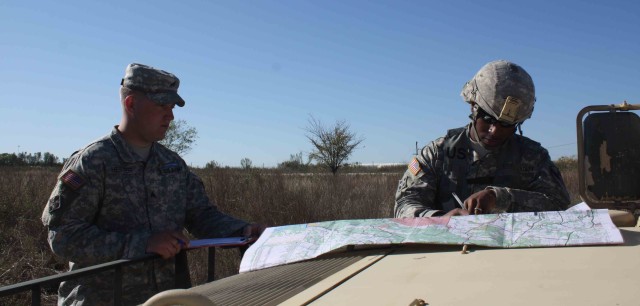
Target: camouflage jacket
107,203
520,171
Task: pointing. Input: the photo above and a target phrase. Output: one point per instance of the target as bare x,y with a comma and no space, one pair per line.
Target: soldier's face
153,119
491,132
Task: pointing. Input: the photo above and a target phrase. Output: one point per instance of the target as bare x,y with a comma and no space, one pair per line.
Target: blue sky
252,72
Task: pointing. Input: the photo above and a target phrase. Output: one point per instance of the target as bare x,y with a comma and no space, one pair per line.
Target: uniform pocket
54,203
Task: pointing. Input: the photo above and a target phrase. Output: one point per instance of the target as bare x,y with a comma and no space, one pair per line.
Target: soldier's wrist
503,202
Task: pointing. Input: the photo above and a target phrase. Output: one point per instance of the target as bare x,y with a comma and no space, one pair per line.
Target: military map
294,243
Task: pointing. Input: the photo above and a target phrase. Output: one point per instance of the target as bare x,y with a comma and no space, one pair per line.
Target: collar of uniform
124,150
479,151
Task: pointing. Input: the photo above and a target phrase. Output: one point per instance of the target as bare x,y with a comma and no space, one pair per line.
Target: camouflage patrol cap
159,85
502,89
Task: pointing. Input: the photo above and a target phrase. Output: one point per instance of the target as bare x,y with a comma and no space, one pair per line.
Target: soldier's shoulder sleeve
422,163
415,194
77,187
430,156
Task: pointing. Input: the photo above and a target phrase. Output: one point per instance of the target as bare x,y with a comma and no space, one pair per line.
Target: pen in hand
458,200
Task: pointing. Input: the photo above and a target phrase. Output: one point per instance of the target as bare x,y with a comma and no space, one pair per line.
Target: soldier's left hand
167,244
481,202
253,231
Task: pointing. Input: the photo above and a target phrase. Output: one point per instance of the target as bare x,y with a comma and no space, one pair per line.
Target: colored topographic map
293,243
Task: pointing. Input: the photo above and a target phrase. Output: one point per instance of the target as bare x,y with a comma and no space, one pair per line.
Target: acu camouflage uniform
520,171
106,205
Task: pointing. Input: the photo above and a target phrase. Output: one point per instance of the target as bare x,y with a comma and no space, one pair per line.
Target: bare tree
332,145
179,137
246,163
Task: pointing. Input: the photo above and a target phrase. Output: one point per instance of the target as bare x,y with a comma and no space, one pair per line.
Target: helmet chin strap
519,127
473,116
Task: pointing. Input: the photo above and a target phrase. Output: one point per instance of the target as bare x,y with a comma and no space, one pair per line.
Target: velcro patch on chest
527,168
170,168
125,169
72,180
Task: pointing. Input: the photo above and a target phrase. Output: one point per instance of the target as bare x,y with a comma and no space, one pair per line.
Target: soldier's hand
456,212
167,244
481,202
253,231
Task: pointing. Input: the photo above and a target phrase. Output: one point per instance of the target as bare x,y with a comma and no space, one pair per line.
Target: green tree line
29,159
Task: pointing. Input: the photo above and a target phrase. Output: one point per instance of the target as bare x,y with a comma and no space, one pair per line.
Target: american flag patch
72,179
414,166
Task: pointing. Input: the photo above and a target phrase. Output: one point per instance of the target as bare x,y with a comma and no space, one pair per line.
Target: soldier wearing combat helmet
486,164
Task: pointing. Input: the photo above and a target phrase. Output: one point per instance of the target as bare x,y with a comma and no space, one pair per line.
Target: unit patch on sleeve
414,166
72,179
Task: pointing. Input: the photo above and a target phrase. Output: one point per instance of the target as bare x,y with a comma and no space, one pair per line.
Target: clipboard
219,242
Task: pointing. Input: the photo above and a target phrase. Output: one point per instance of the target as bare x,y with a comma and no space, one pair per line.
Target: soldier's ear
129,103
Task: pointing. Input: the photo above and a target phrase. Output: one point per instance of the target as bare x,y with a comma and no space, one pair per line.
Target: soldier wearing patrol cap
125,195
486,164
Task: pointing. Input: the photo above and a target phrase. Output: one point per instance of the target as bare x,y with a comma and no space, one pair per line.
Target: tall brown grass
266,196
24,253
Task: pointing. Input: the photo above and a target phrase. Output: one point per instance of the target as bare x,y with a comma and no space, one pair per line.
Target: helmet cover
502,89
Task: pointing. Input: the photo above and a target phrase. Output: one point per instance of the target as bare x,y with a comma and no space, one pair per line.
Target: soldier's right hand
167,244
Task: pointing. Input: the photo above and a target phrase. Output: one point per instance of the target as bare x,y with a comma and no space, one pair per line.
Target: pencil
458,200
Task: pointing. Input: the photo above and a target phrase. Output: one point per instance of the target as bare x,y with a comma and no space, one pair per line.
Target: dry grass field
266,196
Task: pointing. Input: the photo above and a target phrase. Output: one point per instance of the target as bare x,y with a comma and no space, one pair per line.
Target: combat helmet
502,89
